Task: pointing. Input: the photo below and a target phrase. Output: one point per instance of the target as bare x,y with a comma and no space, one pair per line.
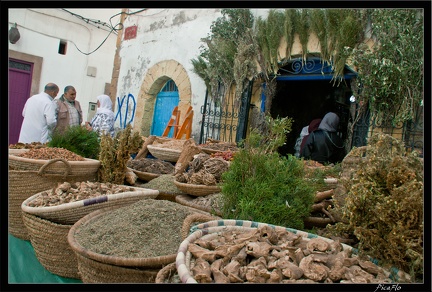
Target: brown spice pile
212,201
156,166
47,153
174,144
147,228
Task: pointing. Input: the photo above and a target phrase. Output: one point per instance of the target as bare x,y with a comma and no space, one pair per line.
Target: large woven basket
97,268
197,190
87,167
70,213
145,176
23,184
17,151
210,230
188,200
50,244
166,154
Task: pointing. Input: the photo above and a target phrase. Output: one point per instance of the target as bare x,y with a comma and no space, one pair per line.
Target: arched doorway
305,91
166,100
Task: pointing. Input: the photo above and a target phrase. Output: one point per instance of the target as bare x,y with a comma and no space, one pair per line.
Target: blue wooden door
166,101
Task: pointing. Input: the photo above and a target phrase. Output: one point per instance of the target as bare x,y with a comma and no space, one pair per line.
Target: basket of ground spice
34,159
128,244
166,187
49,215
253,252
25,183
69,202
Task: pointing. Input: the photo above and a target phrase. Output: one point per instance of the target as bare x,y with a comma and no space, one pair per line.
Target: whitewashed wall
40,33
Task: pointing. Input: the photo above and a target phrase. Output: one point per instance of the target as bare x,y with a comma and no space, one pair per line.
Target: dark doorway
305,100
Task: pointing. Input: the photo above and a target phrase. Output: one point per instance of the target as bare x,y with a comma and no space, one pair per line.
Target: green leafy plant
78,140
262,186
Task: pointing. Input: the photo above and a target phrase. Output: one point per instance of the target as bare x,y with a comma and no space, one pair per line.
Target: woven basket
197,190
168,274
92,271
87,167
50,244
166,154
17,151
109,266
211,229
145,176
24,184
113,269
187,200
70,213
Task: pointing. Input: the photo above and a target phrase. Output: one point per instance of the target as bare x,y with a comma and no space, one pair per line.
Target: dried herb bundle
384,205
115,153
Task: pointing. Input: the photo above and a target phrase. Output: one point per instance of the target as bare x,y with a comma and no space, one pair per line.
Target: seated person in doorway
324,145
304,132
103,121
314,124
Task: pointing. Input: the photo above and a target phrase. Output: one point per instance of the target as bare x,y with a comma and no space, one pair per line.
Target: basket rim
89,161
138,192
192,189
144,174
163,149
109,259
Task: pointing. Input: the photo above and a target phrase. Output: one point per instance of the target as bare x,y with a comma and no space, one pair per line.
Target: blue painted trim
311,77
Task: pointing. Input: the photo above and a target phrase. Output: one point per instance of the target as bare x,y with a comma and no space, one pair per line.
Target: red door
20,76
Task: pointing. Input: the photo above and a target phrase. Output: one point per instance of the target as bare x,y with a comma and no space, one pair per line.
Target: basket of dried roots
253,252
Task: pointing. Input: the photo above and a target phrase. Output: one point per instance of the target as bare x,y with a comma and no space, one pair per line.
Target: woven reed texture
86,167
187,200
166,273
50,244
92,271
197,190
17,151
70,213
209,150
24,184
166,154
145,176
193,219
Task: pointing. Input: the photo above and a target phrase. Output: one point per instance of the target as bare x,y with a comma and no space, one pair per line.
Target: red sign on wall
130,32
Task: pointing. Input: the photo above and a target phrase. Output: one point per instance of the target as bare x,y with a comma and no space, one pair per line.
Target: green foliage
384,205
217,61
262,186
392,72
78,140
115,152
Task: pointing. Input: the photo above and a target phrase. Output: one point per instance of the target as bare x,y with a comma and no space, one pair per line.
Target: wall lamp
14,34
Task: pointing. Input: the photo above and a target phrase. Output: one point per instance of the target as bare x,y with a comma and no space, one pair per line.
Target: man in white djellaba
39,116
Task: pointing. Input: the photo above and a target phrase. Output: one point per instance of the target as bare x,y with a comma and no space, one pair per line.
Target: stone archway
154,80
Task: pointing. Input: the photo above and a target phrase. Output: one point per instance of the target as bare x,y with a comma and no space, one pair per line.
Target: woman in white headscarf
324,145
103,121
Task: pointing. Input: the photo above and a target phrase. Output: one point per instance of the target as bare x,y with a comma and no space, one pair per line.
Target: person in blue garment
103,121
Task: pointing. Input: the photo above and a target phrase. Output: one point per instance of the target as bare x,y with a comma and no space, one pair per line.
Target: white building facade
64,46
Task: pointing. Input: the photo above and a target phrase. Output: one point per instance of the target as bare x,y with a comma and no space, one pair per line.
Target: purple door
20,76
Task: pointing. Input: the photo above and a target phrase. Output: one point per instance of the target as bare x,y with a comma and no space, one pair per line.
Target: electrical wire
113,28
